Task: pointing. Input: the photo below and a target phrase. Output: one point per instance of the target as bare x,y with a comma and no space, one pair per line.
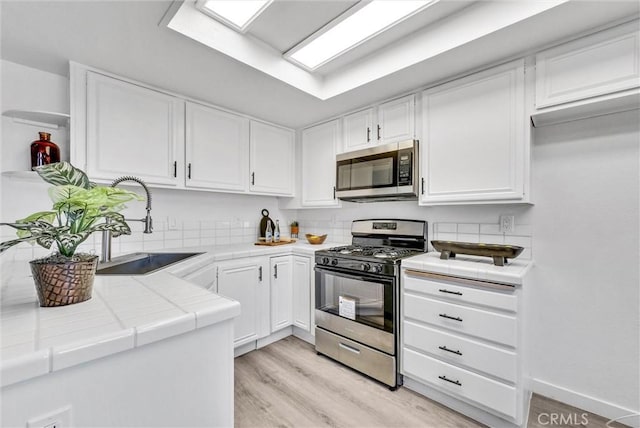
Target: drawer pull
443,290
450,317
455,382
444,348
349,348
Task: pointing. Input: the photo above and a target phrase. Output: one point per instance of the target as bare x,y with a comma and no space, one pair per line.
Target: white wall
586,285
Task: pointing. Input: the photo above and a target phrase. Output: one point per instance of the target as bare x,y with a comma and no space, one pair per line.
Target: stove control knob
365,267
377,268
325,260
334,262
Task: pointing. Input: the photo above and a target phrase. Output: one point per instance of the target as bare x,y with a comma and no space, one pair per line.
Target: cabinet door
603,63
319,148
132,130
302,292
396,120
475,137
246,281
281,292
272,154
217,149
358,130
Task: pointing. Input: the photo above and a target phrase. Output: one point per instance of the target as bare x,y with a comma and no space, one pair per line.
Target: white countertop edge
25,367
476,268
44,361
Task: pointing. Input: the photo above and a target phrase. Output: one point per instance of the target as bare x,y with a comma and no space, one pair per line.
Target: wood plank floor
286,384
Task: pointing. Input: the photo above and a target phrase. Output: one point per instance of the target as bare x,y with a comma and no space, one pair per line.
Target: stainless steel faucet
148,223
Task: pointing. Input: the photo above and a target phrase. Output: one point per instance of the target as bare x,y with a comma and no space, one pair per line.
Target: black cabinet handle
275,271
189,171
444,348
368,134
455,382
457,293
450,317
260,273
379,132
175,168
422,192
334,192
253,178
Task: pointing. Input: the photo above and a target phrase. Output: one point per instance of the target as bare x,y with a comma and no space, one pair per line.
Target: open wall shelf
38,118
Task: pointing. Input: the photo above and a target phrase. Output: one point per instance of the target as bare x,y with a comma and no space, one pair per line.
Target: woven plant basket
60,284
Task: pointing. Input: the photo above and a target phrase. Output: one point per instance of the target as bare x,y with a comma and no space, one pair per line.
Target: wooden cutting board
283,241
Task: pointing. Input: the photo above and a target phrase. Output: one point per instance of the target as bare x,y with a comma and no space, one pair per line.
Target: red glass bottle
44,151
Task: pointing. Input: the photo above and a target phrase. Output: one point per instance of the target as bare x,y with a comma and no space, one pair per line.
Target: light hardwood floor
286,384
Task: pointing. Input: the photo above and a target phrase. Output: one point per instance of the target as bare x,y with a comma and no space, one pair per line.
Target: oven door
358,306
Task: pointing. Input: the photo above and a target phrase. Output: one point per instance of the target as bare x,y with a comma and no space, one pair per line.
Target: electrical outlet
172,223
507,223
60,418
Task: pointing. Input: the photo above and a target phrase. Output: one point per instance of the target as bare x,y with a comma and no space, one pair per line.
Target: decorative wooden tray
283,241
500,253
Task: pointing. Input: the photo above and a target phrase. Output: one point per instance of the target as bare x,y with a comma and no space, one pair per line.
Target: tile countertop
472,267
125,312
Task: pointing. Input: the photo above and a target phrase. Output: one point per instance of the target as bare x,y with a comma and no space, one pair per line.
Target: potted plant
80,208
294,229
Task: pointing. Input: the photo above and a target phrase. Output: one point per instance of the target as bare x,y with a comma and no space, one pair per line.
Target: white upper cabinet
132,130
396,121
358,130
387,123
603,63
217,149
320,144
476,138
272,154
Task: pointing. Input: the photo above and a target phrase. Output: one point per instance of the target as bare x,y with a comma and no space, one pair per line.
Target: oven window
365,301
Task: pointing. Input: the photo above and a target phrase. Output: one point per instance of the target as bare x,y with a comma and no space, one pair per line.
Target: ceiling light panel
234,13
352,29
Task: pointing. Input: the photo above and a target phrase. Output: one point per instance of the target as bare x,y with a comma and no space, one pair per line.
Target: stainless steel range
357,296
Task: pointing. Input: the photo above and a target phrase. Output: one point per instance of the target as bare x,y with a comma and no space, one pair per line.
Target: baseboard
582,401
304,335
278,335
459,406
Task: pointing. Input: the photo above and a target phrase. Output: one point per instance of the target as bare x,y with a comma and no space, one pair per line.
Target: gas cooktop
377,253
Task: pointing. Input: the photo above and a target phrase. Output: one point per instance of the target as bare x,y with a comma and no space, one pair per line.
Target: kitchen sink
141,263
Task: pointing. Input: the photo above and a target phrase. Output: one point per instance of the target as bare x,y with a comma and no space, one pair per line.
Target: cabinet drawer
460,350
475,322
453,289
492,394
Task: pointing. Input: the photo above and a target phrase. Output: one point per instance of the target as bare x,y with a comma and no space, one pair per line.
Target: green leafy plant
80,208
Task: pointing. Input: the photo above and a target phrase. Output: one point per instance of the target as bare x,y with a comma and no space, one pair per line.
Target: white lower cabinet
462,338
246,281
302,284
274,293
281,292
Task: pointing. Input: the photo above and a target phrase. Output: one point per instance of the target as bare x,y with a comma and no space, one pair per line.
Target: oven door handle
357,276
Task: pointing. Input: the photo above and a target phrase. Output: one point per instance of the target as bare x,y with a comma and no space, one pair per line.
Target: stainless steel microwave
387,172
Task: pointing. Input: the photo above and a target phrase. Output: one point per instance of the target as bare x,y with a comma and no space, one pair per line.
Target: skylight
234,13
351,29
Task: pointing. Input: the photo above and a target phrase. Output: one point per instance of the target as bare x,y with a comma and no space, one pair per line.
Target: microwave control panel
405,167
